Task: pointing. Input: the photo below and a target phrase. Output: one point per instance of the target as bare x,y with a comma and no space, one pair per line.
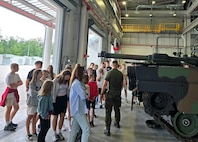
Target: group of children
45,97
38,100
49,95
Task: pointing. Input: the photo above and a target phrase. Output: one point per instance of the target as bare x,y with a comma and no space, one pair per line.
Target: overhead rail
38,10
146,28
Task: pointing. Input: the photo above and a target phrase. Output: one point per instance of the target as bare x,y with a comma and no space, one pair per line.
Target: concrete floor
133,127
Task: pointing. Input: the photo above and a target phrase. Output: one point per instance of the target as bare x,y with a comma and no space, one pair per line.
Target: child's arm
98,78
15,85
32,90
27,84
135,89
96,92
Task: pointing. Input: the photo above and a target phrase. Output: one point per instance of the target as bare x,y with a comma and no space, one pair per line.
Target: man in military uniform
113,97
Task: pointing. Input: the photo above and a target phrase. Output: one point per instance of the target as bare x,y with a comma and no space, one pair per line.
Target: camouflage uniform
113,96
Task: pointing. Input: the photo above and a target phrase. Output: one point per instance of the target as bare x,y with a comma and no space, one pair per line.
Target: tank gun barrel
122,56
158,59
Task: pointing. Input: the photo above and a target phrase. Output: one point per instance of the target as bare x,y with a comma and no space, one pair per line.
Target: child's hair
35,74
91,76
68,68
46,88
45,71
51,71
77,73
14,65
62,75
85,78
38,62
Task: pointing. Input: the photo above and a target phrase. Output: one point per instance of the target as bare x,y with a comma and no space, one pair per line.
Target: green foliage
21,47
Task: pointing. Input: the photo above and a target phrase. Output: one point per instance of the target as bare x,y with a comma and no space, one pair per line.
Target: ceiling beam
192,7
153,17
194,23
26,14
191,26
36,9
157,12
48,4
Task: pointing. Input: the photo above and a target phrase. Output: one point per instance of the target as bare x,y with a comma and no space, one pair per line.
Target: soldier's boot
117,124
107,132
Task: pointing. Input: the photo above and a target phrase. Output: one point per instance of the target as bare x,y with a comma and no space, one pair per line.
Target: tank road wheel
185,124
159,101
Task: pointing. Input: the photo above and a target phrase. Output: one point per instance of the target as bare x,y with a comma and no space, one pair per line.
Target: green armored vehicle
169,88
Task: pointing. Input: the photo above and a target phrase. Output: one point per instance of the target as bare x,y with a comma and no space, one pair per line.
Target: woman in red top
91,100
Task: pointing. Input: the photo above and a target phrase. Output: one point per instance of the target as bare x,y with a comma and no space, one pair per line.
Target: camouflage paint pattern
181,83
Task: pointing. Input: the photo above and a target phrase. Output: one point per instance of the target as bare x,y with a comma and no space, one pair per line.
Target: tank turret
169,88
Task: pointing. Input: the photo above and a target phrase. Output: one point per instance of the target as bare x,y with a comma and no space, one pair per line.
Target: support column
109,50
83,35
47,46
187,38
58,40
104,43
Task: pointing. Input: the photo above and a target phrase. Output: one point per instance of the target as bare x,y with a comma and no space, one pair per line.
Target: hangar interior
138,27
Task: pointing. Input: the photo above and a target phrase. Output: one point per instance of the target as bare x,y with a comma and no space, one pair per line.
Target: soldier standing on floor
113,96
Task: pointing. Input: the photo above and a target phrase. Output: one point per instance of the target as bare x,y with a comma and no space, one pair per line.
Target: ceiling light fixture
174,14
150,14
127,15
124,2
153,2
183,1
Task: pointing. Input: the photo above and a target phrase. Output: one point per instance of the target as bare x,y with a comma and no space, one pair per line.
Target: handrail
162,27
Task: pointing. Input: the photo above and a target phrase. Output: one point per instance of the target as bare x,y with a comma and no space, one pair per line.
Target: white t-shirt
12,78
102,77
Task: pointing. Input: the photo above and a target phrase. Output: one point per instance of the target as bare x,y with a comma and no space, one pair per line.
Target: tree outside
21,47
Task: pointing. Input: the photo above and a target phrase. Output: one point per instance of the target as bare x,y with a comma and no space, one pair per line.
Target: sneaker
107,133
34,135
13,124
60,137
55,138
29,137
9,127
64,129
91,124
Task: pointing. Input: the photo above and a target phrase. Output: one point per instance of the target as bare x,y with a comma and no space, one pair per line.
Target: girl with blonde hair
60,93
32,103
45,108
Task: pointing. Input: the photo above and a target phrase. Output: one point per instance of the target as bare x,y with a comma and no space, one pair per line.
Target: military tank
169,87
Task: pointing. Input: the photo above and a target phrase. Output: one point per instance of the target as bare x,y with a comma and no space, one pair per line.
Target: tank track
170,128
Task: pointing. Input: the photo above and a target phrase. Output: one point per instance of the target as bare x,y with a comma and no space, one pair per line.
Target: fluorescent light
153,2
124,2
174,14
